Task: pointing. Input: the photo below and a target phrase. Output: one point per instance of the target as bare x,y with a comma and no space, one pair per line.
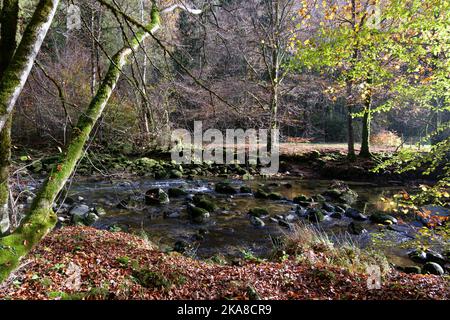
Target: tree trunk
365,143
41,218
350,130
10,19
16,74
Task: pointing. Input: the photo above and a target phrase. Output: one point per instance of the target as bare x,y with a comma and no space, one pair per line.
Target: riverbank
116,265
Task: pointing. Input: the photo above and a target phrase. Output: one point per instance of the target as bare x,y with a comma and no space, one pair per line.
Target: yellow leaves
307,42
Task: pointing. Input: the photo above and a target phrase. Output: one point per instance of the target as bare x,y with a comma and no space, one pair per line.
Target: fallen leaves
108,263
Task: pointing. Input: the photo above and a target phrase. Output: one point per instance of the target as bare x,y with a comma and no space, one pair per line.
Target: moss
41,218
17,71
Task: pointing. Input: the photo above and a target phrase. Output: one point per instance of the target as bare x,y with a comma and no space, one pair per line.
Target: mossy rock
176,174
301,199
261,194
225,188
257,222
355,228
161,174
90,218
433,268
258,212
197,215
245,189
412,270
382,218
156,197
203,202
315,215
177,192
275,196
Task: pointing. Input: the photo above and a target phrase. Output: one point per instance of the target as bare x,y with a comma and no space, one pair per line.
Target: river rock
433,268
257,222
197,215
433,256
79,210
412,270
301,199
261,194
382,218
176,174
356,229
203,202
245,189
181,246
418,256
225,188
339,192
176,192
156,197
314,215
90,218
258,212
328,207
275,196
355,214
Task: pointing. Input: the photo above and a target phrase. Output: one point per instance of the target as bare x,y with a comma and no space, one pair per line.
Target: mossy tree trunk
16,74
10,18
41,218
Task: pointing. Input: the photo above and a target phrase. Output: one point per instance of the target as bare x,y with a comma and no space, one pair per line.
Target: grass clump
311,245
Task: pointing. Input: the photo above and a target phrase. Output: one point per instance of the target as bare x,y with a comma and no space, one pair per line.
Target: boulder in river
257,222
355,214
204,202
433,268
314,215
356,228
382,218
177,192
418,256
261,194
197,215
339,192
225,188
301,199
258,212
156,197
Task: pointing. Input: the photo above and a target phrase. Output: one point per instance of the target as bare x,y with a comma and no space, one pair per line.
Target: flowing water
229,230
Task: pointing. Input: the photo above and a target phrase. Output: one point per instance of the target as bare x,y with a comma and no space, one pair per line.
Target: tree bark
8,43
365,143
16,74
41,218
350,130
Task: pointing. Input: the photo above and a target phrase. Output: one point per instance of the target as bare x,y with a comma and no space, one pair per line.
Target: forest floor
115,265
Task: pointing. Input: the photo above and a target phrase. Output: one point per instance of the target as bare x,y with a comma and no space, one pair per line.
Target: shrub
386,138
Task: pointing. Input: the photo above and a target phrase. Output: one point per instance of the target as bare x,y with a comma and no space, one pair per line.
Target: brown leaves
108,262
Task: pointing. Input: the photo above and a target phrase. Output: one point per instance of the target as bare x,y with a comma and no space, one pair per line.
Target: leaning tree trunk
8,43
16,74
41,218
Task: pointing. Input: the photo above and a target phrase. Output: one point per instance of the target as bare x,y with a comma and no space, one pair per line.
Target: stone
176,193
79,210
336,215
197,215
355,214
245,189
90,218
258,212
261,194
156,197
176,174
382,218
314,215
412,270
204,203
356,229
225,188
181,246
99,211
433,256
275,196
433,268
328,207
418,256
301,198
257,222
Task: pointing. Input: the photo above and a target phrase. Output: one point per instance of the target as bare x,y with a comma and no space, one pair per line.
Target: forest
224,150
